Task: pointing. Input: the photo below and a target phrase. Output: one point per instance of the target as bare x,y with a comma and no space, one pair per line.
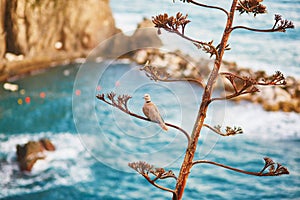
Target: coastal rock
47,144
34,27
272,98
145,36
49,33
29,153
121,45
175,63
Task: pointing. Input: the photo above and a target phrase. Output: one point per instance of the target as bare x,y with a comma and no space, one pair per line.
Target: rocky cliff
34,27
37,34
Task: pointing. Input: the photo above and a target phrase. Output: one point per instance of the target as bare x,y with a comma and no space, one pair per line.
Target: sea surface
95,142
267,51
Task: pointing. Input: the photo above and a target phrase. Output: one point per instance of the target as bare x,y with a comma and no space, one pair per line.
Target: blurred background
56,56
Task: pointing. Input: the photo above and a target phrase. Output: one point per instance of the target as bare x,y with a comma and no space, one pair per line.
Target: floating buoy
42,95
98,88
22,91
20,101
10,87
66,72
77,92
27,100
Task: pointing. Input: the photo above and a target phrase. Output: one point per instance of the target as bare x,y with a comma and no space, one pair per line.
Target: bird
151,112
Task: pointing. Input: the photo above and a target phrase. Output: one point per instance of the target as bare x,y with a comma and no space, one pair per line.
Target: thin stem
159,186
197,81
214,130
279,29
232,168
168,124
229,96
208,6
144,118
154,74
194,41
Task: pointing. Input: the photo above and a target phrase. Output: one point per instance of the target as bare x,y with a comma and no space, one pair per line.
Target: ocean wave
257,123
68,165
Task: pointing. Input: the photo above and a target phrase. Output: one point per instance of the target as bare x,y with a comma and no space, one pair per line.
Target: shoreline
13,70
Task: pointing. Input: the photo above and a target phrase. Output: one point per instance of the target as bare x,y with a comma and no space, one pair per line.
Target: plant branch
208,6
280,25
205,46
229,130
275,169
158,75
259,30
175,24
205,6
144,169
246,85
159,186
251,6
121,104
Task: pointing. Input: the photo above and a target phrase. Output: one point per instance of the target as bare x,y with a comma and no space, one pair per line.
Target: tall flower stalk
241,85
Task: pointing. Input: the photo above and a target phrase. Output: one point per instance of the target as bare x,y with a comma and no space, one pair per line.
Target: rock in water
47,144
29,153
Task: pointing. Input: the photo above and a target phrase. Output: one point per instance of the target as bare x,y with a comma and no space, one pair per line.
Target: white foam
258,123
68,165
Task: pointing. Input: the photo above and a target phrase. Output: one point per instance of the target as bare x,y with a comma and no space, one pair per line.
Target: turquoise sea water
95,142
266,51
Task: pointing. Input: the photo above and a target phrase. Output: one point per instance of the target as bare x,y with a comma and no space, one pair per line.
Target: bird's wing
154,114
160,119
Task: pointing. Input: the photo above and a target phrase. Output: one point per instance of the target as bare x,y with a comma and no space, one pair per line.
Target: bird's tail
163,126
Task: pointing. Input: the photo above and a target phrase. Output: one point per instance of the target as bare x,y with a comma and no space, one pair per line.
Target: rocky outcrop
36,27
121,45
49,32
38,34
175,63
29,153
2,29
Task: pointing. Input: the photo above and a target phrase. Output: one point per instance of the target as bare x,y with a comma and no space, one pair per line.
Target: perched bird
151,112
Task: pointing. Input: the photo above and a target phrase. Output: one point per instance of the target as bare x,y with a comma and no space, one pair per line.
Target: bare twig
208,6
275,169
173,25
144,169
280,25
229,130
276,79
251,6
161,173
121,104
246,85
157,75
205,6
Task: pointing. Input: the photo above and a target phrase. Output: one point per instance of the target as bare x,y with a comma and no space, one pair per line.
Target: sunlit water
95,142
268,51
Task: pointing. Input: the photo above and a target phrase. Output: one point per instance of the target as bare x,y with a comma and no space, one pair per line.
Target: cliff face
36,34
35,27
